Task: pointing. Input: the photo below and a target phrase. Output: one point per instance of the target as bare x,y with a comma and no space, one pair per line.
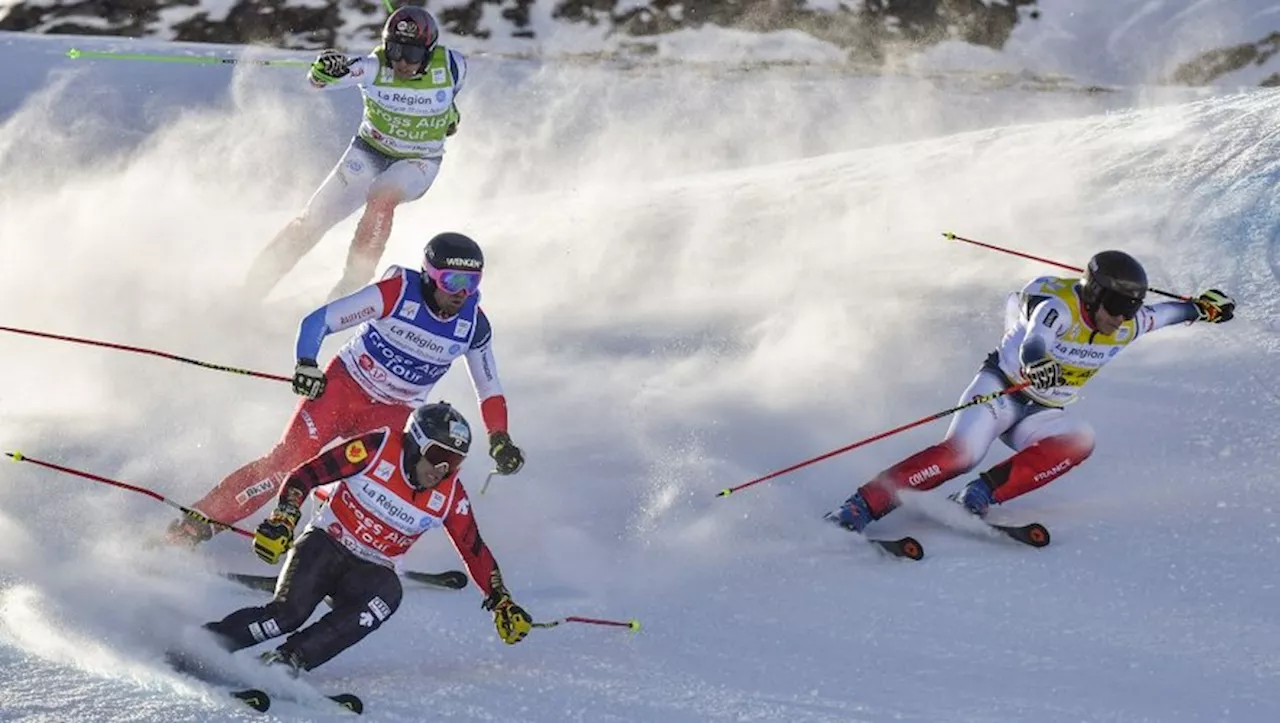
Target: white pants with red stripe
1048,443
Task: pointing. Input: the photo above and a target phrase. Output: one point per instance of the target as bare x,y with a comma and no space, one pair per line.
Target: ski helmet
410,34
453,262
1114,281
438,433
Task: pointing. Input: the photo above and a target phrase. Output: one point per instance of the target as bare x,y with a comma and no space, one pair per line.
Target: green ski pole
77,54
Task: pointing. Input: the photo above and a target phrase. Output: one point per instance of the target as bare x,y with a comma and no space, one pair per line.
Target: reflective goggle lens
454,281
437,454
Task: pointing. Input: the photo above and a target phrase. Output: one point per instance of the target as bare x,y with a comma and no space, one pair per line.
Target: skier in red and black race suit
413,326
1059,332
390,487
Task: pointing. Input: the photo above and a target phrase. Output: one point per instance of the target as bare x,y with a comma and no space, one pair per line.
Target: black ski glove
308,380
505,453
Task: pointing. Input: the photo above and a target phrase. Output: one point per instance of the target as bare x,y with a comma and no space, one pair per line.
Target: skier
1058,333
410,83
413,325
390,488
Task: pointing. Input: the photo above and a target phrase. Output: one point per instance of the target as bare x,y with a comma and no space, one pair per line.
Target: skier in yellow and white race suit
1059,332
409,84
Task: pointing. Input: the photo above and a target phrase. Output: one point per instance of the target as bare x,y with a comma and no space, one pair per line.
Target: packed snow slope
695,278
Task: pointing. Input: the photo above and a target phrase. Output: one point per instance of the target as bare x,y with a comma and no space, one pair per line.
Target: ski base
905,547
1033,534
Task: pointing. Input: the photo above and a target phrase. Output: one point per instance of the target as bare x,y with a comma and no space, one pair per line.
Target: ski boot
854,515
976,497
289,660
189,530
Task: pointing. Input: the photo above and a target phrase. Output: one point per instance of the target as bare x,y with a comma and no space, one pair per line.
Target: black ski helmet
411,33
439,433
451,250
1114,281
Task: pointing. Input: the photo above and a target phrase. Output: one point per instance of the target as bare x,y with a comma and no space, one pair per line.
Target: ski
254,698
1033,534
905,547
448,580
349,701
261,702
266,583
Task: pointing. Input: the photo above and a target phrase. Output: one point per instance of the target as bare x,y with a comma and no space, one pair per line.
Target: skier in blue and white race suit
413,326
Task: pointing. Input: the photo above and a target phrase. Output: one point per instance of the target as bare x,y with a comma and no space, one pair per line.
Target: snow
696,277
1137,41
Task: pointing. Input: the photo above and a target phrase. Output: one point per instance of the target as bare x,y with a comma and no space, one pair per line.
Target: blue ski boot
976,497
854,515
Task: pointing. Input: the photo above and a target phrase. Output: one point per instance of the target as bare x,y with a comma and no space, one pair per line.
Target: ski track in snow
672,317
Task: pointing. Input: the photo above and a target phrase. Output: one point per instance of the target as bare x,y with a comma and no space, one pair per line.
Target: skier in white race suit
1059,332
409,83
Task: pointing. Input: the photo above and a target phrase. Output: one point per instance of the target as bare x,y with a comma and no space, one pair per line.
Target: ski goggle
438,454
415,54
454,281
1121,305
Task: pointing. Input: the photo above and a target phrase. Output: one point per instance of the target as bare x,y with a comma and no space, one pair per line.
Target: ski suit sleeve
484,376
372,302
1047,321
331,465
458,68
1167,313
465,535
362,70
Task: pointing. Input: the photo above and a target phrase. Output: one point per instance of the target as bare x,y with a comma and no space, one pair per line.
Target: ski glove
308,380
505,453
1044,374
330,66
511,620
275,534
1215,307
453,127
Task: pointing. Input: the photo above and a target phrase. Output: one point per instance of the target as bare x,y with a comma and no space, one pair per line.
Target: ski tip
911,548
254,698
349,701
1037,535
73,53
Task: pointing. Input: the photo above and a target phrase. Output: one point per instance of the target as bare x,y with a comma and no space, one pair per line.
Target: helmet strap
1088,308
429,295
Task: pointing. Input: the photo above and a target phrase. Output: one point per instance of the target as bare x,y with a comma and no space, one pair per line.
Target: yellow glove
274,536
511,620
1215,307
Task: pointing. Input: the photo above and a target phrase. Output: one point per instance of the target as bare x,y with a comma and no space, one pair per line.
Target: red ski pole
983,399
152,352
20,457
952,237
633,625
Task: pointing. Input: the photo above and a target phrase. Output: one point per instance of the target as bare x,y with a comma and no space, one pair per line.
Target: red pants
343,411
